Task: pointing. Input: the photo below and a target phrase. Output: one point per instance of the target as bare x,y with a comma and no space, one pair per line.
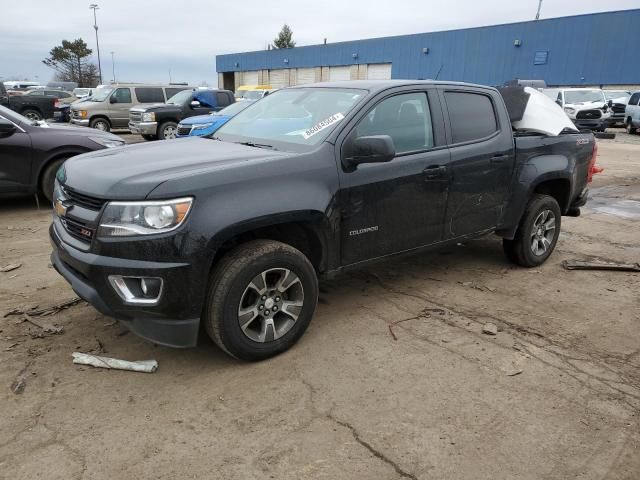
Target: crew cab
232,232
34,105
161,120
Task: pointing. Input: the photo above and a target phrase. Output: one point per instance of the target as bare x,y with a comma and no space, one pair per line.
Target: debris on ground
46,328
45,311
145,366
620,267
18,385
10,267
490,328
477,286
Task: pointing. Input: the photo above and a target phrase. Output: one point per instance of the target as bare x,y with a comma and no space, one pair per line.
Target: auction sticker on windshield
321,125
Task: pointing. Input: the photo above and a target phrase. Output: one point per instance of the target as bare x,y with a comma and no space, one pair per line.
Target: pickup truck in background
233,231
588,108
33,107
161,120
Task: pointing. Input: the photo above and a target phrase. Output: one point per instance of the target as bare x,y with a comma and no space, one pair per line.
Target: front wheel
262,296
49,177
168,130
630,128
100,124
537,233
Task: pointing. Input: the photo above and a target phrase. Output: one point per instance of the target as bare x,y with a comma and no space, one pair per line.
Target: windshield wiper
257,145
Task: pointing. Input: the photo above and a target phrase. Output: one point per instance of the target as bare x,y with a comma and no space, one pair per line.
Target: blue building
594,49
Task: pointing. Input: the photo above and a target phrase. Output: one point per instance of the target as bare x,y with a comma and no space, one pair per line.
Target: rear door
120,102
399,205
482,159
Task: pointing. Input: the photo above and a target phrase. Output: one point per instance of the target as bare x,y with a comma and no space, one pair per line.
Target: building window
540,57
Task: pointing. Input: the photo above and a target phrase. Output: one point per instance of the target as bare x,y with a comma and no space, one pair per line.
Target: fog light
137,290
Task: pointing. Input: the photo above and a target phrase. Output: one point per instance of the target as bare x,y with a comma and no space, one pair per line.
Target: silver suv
109,106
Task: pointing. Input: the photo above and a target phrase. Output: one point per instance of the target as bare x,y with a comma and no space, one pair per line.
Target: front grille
618,108
83,200
135,117
77,229
589,114
184,130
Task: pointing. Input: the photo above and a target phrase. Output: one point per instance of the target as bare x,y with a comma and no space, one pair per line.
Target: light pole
539,8
94,7
113,66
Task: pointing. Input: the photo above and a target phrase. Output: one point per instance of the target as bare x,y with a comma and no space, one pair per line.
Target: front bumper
83,122
144,128
588,124
172,322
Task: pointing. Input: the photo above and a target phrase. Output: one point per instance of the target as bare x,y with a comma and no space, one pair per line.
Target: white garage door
379,71
250,78
337,74
279,78
305,75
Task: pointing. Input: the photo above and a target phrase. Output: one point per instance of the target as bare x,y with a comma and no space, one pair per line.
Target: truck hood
132,172
155,107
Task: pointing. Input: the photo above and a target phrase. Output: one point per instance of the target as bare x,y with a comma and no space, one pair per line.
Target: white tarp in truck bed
532,111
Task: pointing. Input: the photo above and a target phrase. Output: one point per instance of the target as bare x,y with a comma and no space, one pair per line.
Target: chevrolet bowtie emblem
61,208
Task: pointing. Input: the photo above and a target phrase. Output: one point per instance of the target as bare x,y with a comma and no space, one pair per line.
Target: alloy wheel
169,132
543,231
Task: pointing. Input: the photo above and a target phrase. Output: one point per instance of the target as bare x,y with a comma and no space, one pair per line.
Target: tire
235,284
48,178
168,131
100,124
630,129
534,243
149,138
32,114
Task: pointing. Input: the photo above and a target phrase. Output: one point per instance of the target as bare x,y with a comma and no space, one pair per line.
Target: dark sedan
32,151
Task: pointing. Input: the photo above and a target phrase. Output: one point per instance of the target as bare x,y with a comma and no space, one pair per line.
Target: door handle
433,172
499,159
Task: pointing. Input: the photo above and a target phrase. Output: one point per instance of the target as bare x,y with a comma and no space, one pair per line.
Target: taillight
56,103
592,169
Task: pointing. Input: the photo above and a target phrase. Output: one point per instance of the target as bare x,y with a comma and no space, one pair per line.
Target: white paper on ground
145,366
543,115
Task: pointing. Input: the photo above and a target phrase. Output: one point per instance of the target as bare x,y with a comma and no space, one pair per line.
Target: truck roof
378,85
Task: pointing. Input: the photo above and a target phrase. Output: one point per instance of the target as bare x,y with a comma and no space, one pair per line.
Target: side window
122,95
36,93
471,115
406,118
634,99
149,95
222,98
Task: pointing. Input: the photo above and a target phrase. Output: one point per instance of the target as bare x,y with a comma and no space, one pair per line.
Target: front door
119,104
15,160
399,205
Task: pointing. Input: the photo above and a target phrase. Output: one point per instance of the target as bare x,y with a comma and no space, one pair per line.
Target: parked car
618,99
632,113
161,120
252,92
4,96
588,108
203,125
43,92
32,151
108,107
21,85
82,92
233,231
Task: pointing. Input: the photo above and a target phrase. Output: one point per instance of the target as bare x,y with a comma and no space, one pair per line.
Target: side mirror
6,128
559,102
610,103
194,104
113,99
372,149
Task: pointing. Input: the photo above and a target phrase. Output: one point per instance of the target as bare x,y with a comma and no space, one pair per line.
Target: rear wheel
48,178
168,130
262,296
537,233
100,124
32,114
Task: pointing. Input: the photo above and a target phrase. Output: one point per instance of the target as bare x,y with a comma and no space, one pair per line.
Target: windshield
234,108
297,116
615,94
583,96
101,95
180,97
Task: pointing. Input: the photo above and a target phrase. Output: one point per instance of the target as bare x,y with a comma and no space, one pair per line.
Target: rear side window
172,91
223,99
471,115
634,99
149,95
122,95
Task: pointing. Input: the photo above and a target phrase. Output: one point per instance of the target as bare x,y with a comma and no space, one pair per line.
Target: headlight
202,126
107,142
149,117
570,110
82,113
123,219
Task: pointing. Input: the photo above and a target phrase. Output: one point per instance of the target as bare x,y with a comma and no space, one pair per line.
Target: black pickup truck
161,119
33,107
233,231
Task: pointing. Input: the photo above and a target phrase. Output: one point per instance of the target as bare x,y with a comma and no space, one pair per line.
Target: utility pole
539,8
94,7
113,66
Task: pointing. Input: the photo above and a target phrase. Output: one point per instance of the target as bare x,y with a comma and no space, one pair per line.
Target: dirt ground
394,378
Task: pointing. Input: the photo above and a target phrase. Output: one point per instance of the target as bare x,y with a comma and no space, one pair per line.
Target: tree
284,38
70,60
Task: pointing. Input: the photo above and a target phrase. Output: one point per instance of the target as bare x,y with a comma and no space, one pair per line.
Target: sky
162,40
